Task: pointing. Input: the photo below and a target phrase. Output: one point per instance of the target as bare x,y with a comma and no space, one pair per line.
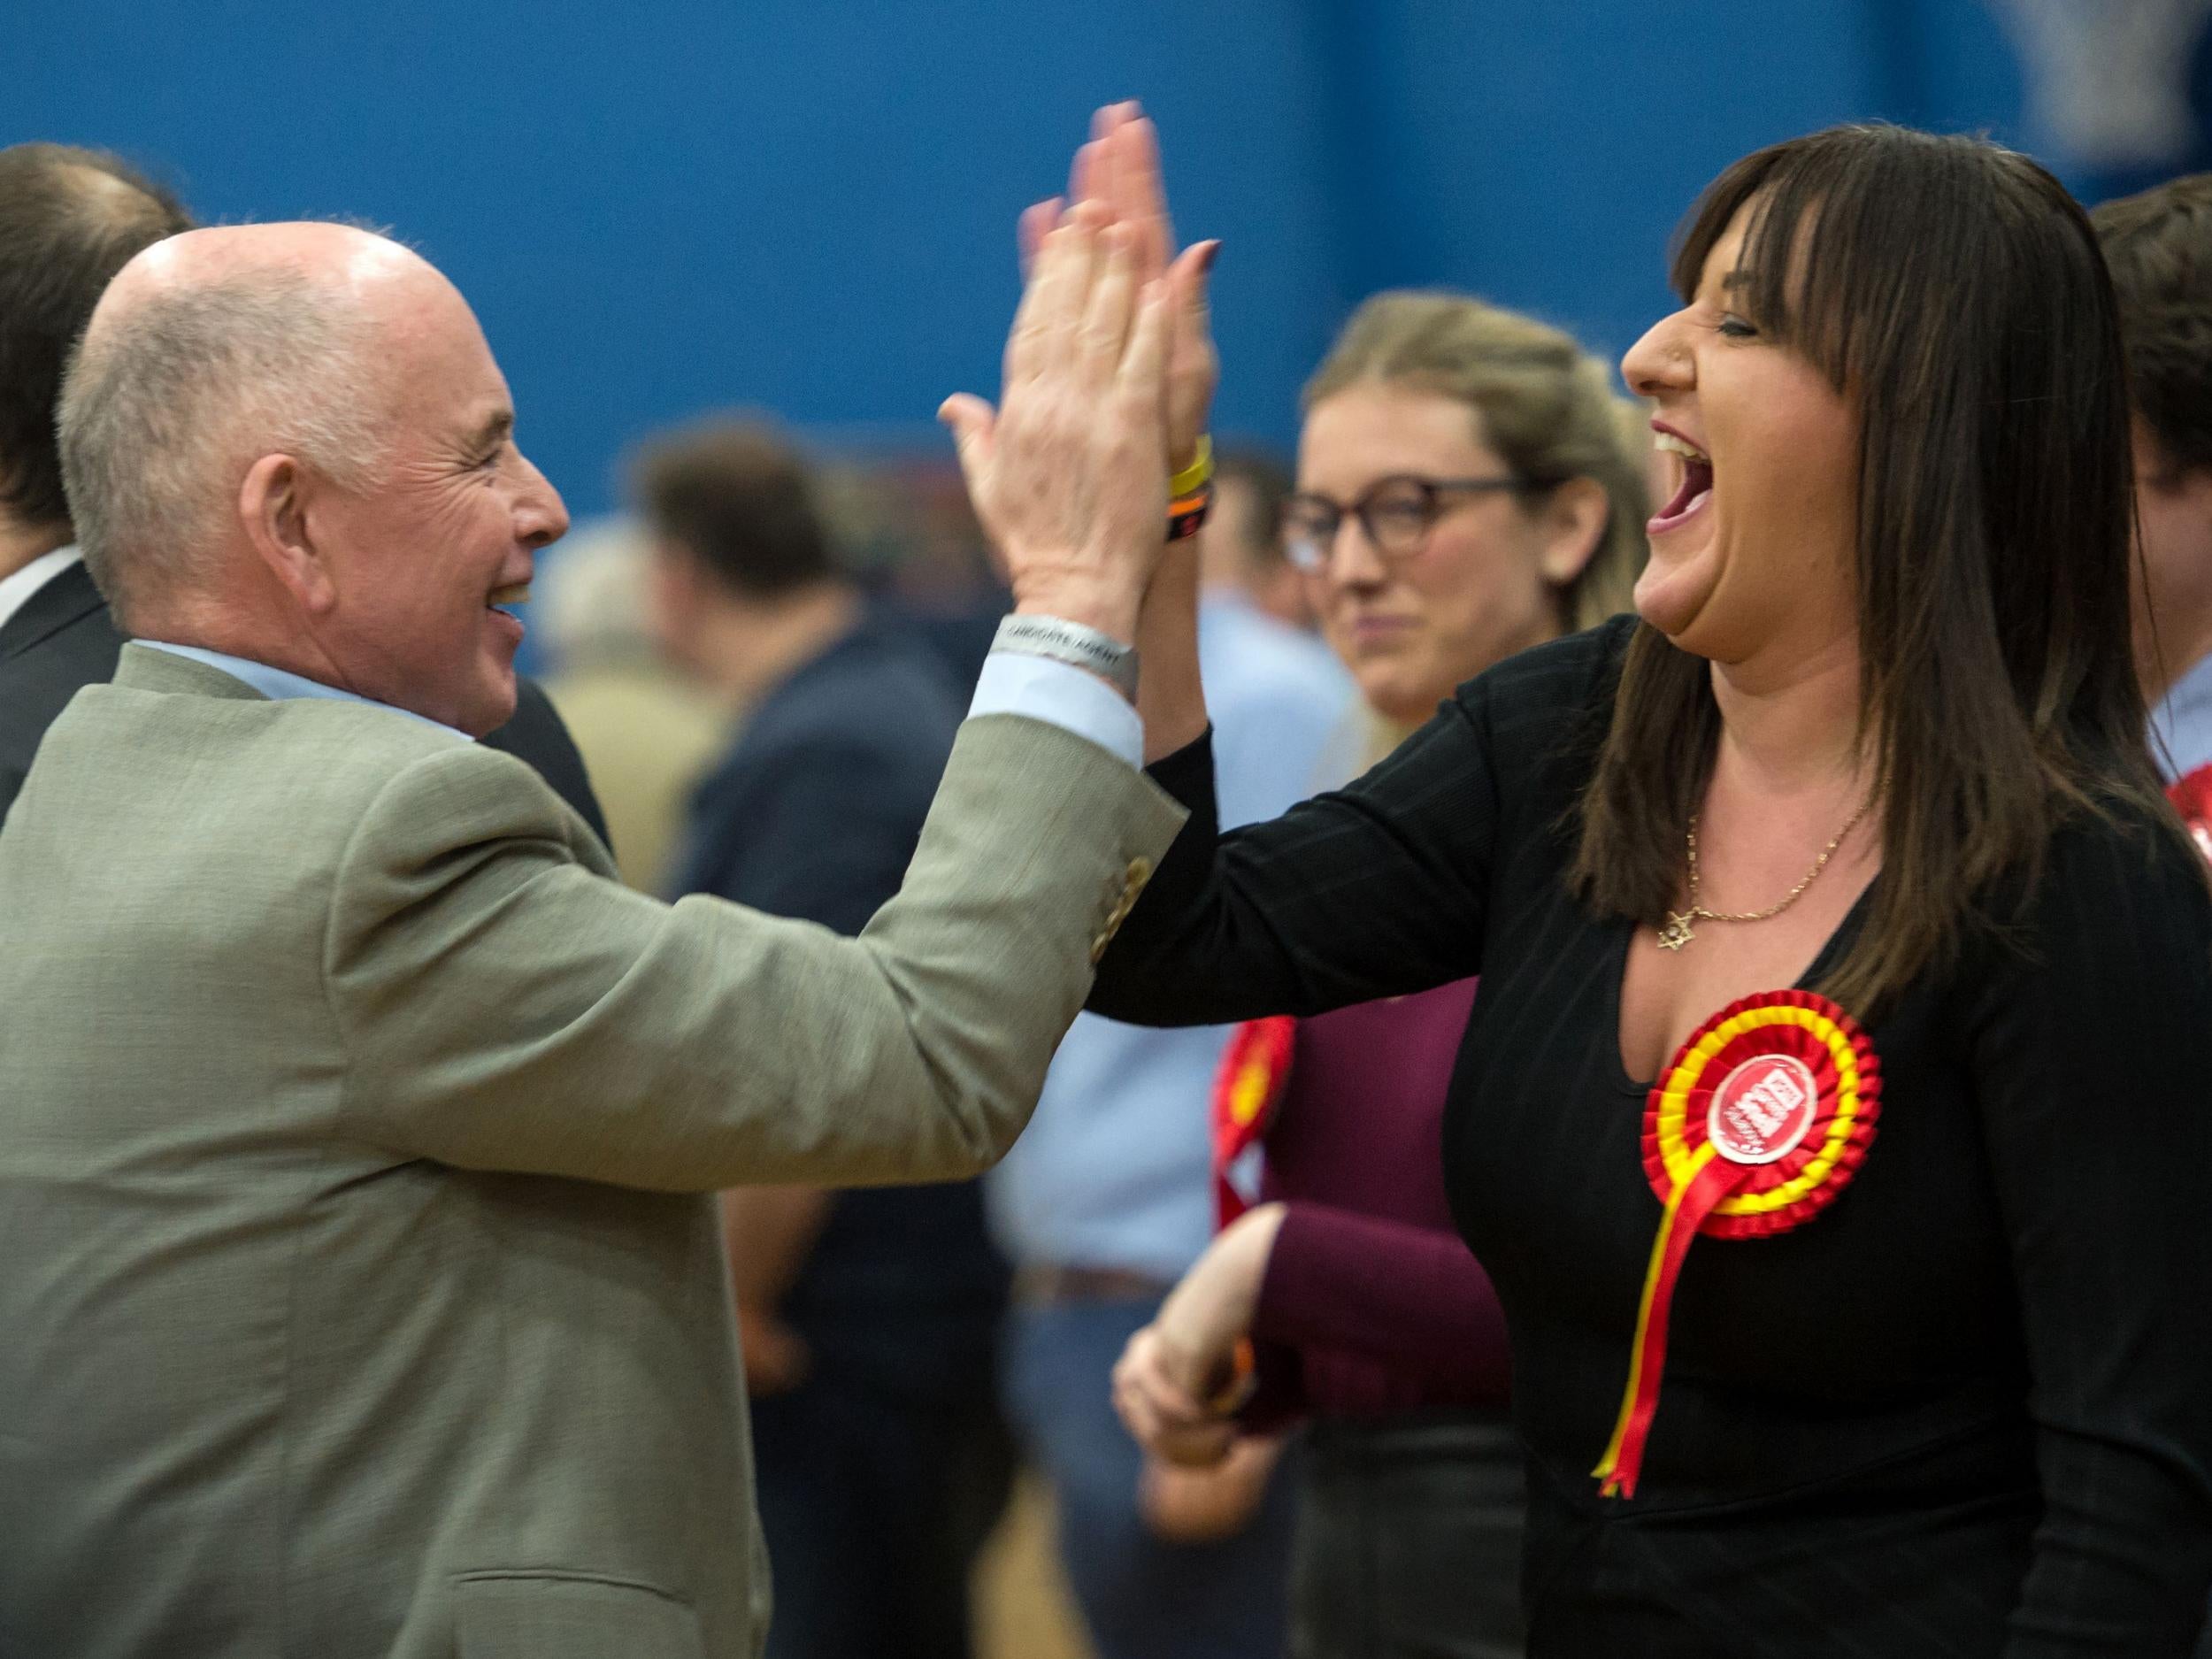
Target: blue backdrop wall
685,203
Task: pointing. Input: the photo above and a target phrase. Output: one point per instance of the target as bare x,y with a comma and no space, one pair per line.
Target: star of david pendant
1677,932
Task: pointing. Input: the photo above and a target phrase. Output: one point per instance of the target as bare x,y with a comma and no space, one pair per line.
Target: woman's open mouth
1692,494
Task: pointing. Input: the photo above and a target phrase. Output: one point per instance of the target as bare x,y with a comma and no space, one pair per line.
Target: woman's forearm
1171,695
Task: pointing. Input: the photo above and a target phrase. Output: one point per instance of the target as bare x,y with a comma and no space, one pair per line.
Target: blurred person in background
1240,548
70,220
1108,1200
1466,488
2158,246
906,532
868,1316
646,730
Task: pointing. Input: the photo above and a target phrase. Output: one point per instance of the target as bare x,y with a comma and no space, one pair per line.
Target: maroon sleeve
1278,1398
1410,1298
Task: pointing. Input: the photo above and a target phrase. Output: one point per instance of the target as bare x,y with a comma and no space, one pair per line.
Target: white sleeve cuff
1060,694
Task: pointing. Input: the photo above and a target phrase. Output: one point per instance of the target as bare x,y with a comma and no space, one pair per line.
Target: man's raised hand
1069,475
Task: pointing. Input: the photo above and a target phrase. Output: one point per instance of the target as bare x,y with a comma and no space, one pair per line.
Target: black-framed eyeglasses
1397,514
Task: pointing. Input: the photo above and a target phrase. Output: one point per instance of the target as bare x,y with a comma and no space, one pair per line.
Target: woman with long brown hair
1831,1120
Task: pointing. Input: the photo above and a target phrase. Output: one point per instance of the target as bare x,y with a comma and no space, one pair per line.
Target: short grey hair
166,407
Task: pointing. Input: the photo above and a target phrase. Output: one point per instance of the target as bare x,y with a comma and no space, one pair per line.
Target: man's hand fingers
972,422
1144,194
1025,340
1083,173
1106,161
1033,226
1143,377
1052,305
1112,301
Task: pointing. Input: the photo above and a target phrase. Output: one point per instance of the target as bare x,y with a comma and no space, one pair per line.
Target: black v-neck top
1966,1411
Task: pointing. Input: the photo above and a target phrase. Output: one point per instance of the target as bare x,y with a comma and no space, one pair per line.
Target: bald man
70,218
362,1292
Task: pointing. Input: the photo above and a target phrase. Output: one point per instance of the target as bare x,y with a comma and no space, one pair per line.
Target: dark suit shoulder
58,643
538,735
36,684
65,599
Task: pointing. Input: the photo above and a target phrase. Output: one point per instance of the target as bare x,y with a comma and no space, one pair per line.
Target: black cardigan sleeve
1381,888
2091,1036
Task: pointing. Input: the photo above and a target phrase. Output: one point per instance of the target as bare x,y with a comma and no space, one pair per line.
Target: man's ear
273,506
1572,519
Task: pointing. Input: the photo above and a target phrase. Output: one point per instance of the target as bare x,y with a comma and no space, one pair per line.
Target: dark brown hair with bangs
1956,292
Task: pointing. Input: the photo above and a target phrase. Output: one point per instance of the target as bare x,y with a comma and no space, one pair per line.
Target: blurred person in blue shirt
869,1318
1108,1198
1244,552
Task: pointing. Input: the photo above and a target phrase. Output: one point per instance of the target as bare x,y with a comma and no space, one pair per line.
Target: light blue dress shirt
1115,1168
278,684
1035,687
1064,696
2181,726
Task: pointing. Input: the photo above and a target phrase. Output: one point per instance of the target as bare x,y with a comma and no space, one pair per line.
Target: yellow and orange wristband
1190,494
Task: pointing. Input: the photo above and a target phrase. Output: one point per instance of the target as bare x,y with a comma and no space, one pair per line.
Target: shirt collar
18,587
2181,726
278,684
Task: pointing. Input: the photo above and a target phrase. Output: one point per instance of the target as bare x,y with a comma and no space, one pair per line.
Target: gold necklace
1678,932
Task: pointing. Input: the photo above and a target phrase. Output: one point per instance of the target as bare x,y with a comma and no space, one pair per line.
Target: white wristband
1071,643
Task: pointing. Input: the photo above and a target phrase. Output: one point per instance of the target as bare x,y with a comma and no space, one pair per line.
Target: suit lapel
66,599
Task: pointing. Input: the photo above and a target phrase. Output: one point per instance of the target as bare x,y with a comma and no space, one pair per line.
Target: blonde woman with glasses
1467,488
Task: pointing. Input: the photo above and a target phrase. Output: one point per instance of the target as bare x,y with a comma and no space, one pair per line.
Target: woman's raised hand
1069,475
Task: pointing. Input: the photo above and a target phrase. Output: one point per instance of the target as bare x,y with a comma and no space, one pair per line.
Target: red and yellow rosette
1255,1068
2193,798
1758,1123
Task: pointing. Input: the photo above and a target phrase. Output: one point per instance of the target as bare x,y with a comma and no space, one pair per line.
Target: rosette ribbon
1757,1124
1255,1068
2193,798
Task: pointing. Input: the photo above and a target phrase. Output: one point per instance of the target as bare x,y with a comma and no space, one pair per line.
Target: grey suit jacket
358,1295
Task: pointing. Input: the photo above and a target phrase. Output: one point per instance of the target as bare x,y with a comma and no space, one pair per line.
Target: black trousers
1409,1541
874,1504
